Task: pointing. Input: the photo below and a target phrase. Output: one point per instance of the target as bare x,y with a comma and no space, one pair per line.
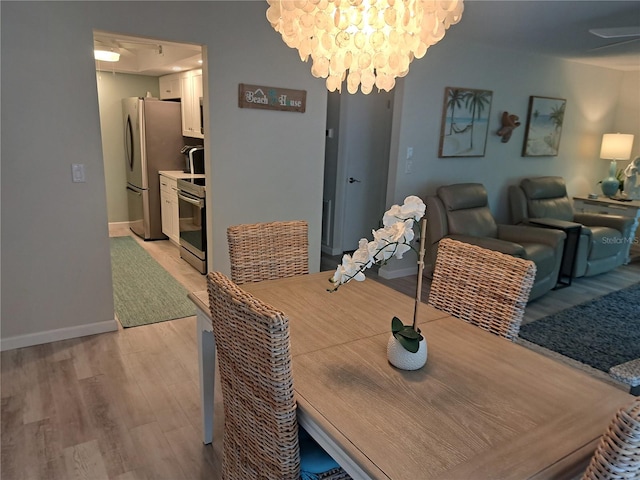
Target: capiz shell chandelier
374,40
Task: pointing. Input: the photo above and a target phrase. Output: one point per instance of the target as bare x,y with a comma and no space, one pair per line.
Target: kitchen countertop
176,174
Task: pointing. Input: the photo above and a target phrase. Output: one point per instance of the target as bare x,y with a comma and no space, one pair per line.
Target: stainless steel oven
193,229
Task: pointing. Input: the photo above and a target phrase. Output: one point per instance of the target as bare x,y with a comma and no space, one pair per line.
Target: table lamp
615,146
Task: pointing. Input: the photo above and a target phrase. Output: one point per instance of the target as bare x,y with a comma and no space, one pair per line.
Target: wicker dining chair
483,287
269,250
618,453
261,434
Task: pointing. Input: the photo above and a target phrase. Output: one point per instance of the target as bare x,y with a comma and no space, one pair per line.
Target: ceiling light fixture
106,55
375,40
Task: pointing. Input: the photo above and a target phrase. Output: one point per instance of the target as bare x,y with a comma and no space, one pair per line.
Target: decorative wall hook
509,123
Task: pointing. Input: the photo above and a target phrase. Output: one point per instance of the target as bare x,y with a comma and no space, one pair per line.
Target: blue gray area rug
601,333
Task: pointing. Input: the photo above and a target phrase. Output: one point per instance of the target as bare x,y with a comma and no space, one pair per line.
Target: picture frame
545,118
465,122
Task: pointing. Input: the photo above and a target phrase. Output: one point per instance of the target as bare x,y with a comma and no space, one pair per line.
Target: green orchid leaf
396,325
409,344
409,332
408,337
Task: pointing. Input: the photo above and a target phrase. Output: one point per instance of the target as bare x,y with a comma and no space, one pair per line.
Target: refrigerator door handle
128,142
134,191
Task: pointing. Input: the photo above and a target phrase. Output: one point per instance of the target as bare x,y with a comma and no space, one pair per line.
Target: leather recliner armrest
437,226
496,244
523,233
618,222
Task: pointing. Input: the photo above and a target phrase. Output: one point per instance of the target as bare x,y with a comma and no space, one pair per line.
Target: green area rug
143,291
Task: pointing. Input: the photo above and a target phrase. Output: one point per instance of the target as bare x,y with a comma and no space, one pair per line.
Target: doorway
142,62
357,151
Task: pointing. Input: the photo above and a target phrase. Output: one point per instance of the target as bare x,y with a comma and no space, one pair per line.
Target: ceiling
554,28
144,56
546,27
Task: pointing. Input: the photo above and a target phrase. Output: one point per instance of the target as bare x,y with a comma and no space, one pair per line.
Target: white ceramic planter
403,359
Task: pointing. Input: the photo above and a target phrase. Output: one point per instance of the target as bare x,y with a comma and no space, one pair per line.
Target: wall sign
271,98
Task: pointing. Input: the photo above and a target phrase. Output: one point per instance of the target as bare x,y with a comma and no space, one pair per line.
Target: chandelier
374,40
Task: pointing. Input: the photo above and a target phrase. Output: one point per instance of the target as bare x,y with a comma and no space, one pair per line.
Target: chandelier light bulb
365,42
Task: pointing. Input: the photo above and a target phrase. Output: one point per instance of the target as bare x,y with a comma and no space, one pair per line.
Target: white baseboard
118,226
403,272
66,333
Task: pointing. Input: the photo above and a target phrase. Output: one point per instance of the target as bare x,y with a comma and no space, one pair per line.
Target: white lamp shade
106,55
616,146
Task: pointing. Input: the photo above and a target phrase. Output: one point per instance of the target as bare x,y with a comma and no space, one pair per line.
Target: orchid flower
392,240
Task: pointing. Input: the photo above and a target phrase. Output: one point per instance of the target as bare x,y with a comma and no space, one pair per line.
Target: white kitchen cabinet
191,88
169,208
170,87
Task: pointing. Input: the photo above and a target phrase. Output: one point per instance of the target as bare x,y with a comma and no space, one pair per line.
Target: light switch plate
77,173
409,153
408,166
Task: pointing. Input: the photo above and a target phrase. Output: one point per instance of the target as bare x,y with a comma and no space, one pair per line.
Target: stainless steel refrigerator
152,142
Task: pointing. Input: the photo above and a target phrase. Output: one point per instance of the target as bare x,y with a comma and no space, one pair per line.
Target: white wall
628,113
55,250
593,95
112,87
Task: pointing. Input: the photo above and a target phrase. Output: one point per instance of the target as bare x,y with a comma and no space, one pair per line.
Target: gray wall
55,247
112,87
628,112
262,165
598,101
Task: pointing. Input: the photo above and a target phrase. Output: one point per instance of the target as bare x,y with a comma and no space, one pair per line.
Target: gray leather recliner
603,238
461,212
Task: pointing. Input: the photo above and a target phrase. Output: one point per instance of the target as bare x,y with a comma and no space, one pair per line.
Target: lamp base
611,184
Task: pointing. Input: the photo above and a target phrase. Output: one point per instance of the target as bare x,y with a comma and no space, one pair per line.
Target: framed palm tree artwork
465,122
544,126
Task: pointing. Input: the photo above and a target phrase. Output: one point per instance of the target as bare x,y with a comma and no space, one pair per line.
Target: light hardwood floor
125,405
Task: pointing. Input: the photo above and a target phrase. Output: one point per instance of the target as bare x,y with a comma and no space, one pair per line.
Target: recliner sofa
603,238
461,212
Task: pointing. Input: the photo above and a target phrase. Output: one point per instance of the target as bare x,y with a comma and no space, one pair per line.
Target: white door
368,132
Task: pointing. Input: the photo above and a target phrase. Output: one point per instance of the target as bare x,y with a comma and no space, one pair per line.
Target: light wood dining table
481,408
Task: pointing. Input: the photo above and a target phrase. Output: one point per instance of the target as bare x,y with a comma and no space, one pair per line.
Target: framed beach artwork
544,127
465,122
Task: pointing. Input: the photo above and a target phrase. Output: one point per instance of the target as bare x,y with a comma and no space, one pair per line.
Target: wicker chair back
483,287
267,251
618,453
260,423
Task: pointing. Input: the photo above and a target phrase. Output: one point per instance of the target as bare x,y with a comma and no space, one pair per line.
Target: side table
614,207
572,230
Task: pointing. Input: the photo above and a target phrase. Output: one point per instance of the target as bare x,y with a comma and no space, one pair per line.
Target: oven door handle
197,203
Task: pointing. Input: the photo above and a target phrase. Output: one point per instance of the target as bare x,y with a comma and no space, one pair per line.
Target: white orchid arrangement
392,240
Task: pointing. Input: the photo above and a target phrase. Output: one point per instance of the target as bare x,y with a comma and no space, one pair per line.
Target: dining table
482,407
